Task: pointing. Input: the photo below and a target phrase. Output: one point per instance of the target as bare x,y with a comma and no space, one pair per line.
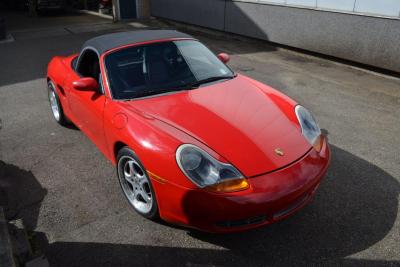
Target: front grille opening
244,222
292,207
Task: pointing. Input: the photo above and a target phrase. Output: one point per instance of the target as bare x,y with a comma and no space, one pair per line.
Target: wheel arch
154,143
118,145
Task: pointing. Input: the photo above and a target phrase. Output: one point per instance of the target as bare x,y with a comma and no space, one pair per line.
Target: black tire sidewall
153,213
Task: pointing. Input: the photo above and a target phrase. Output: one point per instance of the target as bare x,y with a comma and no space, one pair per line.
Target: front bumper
270,198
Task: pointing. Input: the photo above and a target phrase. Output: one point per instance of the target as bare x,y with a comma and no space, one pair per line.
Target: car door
87,107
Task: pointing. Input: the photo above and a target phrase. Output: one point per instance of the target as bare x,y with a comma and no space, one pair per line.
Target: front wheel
55,105
136,184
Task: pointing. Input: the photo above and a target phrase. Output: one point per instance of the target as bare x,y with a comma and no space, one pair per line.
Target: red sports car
193,142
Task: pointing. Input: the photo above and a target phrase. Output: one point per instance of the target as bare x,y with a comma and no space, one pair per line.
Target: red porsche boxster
194,143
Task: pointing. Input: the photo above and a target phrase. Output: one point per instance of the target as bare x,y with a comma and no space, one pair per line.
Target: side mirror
224,57
86,84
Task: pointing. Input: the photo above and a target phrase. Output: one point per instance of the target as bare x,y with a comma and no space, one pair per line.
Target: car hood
240,121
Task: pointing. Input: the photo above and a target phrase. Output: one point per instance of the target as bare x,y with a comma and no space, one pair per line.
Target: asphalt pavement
68,195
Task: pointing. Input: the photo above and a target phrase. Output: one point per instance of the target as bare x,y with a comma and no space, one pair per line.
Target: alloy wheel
54,103
135,184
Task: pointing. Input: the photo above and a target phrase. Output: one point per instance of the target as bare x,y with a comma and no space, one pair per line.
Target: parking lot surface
67,192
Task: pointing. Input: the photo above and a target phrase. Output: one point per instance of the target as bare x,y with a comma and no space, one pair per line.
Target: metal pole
2,35
33,8
115,10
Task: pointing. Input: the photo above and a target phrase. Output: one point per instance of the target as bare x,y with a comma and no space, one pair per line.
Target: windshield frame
106,73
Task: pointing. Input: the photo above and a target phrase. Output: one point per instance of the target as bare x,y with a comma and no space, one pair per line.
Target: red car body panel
270,198
240,121
236,119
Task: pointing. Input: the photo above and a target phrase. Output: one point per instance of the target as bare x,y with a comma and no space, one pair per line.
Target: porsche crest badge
279,152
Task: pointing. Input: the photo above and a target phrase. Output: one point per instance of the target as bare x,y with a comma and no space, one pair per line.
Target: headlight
309,127
207,172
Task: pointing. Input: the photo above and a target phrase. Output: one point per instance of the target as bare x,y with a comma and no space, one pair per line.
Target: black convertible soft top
113,40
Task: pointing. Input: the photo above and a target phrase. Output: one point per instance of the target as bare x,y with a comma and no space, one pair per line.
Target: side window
88,65
73,63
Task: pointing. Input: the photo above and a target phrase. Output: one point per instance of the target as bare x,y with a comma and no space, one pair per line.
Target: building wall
387,8
206,13
143,8
368,39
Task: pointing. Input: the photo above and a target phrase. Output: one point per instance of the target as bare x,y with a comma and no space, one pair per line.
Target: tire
136,184
55,105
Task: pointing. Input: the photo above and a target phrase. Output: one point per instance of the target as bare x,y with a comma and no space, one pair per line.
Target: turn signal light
229,186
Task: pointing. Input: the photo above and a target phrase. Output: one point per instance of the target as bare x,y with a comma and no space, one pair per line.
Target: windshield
161,68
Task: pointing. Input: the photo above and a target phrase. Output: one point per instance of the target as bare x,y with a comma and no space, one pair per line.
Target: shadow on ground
97,254
21,194
27,59
355,208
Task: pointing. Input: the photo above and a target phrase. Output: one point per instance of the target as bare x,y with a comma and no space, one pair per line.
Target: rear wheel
136,184
55,105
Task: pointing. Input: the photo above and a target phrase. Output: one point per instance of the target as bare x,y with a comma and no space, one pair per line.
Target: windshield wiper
184,87
157,92
210,79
